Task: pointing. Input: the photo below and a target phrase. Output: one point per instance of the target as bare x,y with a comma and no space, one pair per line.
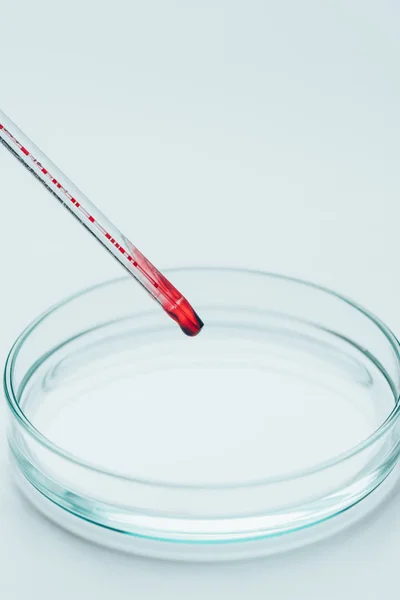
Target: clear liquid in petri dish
235,406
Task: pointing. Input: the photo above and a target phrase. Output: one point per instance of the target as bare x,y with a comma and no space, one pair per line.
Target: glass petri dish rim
17,411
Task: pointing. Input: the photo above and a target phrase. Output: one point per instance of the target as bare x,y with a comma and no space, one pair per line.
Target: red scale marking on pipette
174,304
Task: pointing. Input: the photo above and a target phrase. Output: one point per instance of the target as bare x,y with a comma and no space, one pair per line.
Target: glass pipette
171,300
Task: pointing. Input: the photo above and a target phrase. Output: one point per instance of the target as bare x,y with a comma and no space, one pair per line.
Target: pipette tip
187,319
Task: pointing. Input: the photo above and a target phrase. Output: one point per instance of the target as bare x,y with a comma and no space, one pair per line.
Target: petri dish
280,415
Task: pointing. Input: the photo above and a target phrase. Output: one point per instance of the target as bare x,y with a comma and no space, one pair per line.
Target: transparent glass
282,413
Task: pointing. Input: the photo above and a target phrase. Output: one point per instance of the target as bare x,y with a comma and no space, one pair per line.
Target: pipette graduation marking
171,300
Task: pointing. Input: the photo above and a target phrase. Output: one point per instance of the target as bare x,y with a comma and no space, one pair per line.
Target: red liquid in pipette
187,319
172,301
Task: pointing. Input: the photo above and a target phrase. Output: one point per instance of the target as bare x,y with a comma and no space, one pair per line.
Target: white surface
259,134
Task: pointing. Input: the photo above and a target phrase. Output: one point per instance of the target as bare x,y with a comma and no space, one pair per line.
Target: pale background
260,134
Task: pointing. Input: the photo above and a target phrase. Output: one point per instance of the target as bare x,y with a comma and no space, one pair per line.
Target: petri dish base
280,415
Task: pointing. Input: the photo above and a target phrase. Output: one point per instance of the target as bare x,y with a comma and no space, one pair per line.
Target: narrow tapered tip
186,317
